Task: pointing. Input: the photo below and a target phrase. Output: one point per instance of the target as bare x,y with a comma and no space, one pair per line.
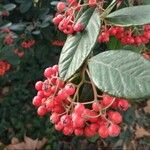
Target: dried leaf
28,144
141,132
147,108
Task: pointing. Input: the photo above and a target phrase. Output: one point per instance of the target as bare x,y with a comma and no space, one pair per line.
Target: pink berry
70,89
61,6
55,118
115,117
107,100
58,19
78,132
92,3
114,130
96,106
42,111
48,72
78,27
38,85
123,104
37,101
103,131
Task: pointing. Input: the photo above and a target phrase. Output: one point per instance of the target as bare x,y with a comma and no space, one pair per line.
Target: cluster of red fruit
4,67
4,13
57,43
8,40
65,18
28,43
70,117
19,52
126,36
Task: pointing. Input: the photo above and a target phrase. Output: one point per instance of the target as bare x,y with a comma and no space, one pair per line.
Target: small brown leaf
28,144
141,132
147,108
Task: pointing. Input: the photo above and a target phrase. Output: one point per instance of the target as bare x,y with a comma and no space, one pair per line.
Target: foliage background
17,115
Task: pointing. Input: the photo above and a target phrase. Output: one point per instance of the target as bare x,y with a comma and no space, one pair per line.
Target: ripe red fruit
61,6
59,126
88,132
103,131
68,130
55,118
37,100
66,120
92,3
114,130
96,106
115,117
123,104
58,19
69,89
78,122
41,111
39,85
79,108
48,72
146,55
78,27
107,100
78,132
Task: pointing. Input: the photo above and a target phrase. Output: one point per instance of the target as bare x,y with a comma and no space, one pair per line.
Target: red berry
69,89
58,19
59,126
96,106
79,108
78,132
38,85
37,100
115,117
123,104
61,6
48,72
114,130
88,132
78,27
68,130
92,3
42,111
103,131
107,100
55,118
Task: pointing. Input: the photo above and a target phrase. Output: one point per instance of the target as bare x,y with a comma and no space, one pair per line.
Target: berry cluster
65,18
28,43
8,40
19,52
73,117
57,43
4,13
4,67
126,36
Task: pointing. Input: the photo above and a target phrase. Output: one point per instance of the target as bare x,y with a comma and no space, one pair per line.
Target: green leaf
9,6
121,73
25,6
8,54
136,15
78,46
18,27
146,2
114,43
